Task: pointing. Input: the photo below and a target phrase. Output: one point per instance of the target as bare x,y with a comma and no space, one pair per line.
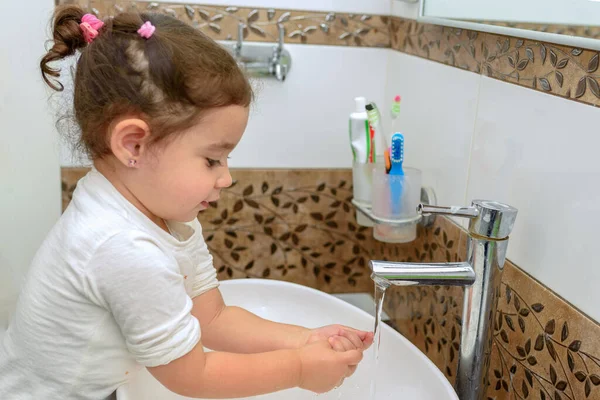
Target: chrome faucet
277,68
490,224
262,59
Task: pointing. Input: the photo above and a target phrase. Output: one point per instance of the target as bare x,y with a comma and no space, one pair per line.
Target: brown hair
169,80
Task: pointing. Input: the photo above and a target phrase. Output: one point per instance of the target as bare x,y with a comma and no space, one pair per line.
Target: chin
185,218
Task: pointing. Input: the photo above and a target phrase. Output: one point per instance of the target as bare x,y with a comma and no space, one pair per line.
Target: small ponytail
67,37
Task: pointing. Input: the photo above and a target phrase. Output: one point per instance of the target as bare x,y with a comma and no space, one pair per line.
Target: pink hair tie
90,25
146,30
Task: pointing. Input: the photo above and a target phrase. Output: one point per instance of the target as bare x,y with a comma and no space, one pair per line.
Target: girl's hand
323,368
341,338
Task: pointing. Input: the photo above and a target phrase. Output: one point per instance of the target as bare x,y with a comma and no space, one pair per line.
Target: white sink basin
403,371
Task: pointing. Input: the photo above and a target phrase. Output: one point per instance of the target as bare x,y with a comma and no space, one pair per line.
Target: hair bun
67,37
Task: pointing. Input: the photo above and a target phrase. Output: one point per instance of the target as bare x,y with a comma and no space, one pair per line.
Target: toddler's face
190,170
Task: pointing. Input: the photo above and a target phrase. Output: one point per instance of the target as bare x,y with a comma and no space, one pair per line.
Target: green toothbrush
395,111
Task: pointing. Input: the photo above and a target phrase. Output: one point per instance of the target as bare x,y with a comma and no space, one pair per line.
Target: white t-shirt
108,292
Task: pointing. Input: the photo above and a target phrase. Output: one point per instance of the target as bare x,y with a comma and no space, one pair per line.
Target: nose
224,180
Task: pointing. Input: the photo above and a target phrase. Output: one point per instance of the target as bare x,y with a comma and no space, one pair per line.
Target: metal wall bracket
427,197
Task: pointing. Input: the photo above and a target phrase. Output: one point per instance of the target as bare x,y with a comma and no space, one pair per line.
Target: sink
403,371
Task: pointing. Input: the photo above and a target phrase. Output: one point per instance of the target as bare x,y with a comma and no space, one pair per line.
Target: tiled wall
288,124
560,70
299,226
221,22
495,140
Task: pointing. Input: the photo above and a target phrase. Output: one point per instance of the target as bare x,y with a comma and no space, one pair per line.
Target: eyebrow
221,146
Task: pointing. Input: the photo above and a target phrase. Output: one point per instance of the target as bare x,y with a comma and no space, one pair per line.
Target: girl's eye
212,163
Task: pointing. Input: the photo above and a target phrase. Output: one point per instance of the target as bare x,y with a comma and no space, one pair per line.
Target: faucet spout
406,274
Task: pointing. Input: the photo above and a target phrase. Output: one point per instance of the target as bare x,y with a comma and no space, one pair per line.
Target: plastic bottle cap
361,103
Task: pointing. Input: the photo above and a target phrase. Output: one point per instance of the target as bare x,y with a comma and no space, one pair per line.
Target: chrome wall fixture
261,59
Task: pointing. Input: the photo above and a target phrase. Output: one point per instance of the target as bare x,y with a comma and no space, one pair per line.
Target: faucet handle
281,39
489,219
240,40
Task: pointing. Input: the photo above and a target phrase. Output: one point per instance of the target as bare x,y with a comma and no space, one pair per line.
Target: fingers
353,337
361,334
352,357
336,344
365,336
368,340
340,342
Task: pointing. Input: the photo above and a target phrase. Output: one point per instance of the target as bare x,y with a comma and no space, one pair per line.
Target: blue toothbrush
396,159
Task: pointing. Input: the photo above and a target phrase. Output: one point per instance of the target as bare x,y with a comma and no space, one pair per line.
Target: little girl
124,280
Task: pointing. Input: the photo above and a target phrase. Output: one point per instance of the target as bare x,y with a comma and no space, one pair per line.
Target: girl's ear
129,140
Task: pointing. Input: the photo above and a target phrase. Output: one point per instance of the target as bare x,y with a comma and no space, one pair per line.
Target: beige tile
430,317
554,69
571,30
542,344
69,178
221,23
294,225
455,47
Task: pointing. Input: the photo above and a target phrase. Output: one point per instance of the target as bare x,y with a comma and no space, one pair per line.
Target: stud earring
132,163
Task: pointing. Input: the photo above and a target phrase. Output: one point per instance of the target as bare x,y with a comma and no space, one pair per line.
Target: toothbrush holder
395,198
362,190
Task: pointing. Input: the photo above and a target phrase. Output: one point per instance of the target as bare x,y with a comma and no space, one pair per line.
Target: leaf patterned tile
543,347
592,32
69,178
290,225
554,69
454,47
260,24
560,70
430,317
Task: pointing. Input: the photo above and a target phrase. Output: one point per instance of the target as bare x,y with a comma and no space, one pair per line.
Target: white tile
539,153
405,9
303,122
381,7
437,118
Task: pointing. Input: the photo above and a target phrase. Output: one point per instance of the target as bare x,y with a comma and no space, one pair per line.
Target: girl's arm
218,375
228,328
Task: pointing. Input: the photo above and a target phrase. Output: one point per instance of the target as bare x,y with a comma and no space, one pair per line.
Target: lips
206,203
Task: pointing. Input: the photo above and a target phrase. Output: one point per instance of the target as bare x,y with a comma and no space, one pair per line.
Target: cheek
183,179
190,186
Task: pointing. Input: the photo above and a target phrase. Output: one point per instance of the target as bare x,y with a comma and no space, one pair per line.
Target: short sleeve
140,284
205,277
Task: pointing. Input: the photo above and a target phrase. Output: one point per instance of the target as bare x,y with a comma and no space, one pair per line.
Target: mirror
573,23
